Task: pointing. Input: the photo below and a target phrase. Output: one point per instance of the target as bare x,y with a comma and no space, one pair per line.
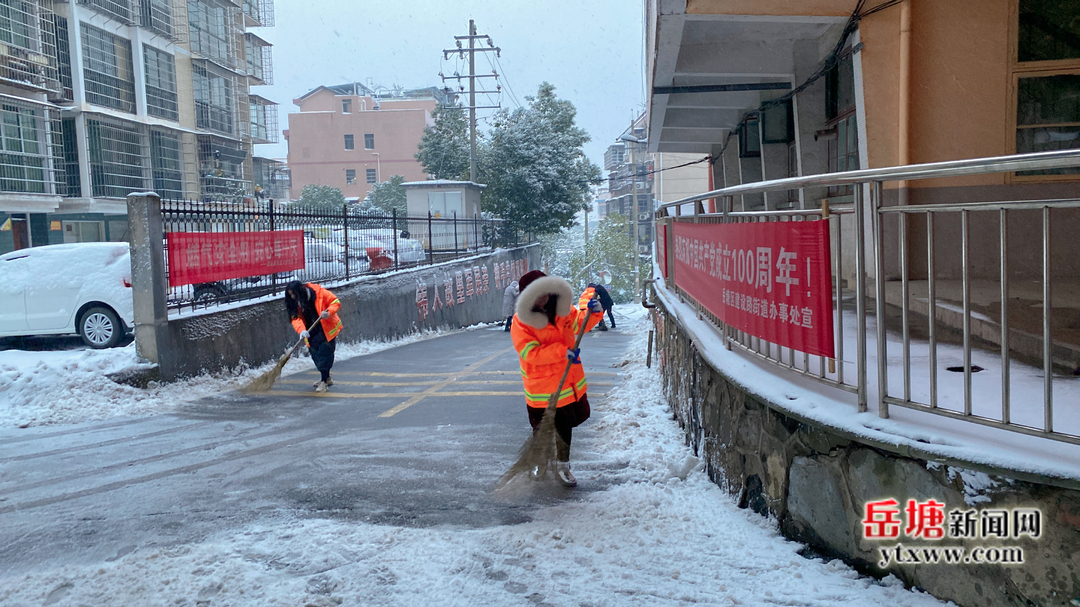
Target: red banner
769,279
661,248
196,257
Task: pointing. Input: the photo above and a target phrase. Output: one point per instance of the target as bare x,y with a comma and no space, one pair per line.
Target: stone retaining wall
815,480
452,294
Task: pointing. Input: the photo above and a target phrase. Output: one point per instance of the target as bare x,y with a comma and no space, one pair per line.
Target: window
117,9
350,176
444,204
166,161
750,139
156,15
840,88
17,26
108,69
369,141
215,98
116,157
349,145
346,106
1048,117
22,149
778,124
840,115
1048,92
160,83
209,31
371,176
1049,30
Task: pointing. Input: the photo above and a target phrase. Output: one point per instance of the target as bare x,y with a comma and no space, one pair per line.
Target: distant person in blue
606,303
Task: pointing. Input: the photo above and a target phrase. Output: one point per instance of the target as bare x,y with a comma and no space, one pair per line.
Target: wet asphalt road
413,436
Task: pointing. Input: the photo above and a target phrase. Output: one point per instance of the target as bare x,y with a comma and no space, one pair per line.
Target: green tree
444,149
534,166
388,196
611,249
321,197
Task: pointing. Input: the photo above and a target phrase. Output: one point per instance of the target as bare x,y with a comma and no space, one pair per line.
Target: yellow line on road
442,384
440,373
338,382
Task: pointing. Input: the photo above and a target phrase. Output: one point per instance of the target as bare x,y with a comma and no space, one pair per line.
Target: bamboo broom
266,381
539,448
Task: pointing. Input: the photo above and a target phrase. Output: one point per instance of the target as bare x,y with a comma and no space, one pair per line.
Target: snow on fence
285,242
919,363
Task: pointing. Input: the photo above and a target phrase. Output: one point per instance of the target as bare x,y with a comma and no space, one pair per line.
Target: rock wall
452,294
815,482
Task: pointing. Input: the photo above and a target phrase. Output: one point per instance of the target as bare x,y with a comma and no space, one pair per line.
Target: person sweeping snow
305,304
544,331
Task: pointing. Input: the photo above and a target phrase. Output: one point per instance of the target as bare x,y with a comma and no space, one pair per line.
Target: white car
68,288
409,250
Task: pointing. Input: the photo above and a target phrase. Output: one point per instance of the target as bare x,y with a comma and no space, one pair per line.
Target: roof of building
381,92
443,183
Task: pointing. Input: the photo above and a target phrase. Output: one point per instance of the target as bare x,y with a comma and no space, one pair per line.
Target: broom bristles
266,381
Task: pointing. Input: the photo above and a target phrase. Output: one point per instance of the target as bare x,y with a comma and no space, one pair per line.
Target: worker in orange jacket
305,304
544,330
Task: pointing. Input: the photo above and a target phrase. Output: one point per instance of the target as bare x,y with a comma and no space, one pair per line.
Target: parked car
409,250
68,288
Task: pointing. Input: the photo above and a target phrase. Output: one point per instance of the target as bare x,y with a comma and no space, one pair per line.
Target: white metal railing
847,223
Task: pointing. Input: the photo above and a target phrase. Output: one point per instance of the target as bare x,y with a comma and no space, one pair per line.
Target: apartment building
352,136
101,98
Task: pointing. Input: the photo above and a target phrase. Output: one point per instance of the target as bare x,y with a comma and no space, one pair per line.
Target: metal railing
848,228
340,243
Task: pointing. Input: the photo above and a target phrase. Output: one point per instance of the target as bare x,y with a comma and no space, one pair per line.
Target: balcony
264,120
258,13
28,52
259,58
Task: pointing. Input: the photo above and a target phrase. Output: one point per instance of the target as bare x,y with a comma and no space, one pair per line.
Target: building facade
351,137
773,89
102,98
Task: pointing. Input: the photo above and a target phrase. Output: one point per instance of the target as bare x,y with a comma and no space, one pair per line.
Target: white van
68,288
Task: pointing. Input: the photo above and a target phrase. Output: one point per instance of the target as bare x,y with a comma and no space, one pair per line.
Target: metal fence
339,243
861,332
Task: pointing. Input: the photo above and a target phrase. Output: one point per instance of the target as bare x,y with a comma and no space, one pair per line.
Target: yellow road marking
373,395
439,373
442,384
338,382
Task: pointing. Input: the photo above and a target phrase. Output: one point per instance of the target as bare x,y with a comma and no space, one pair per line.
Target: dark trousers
323,356
612,317
509,321
567,418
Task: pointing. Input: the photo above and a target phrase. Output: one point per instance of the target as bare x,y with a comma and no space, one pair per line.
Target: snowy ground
71,386
661,534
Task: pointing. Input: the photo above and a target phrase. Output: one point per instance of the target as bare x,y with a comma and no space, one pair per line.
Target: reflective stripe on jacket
542,355
324,300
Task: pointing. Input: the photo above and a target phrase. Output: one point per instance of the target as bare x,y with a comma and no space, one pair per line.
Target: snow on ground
661,534
66,387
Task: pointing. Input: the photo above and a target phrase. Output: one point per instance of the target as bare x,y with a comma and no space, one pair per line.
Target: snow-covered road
655,531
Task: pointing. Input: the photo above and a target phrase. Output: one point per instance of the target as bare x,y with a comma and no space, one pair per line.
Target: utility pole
472,50
633,183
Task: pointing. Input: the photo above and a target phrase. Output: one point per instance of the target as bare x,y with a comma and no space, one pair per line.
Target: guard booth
453,206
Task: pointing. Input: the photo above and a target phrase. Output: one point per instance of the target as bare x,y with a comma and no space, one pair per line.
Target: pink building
351,137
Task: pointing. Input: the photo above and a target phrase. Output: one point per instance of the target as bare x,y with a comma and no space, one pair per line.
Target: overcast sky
591,50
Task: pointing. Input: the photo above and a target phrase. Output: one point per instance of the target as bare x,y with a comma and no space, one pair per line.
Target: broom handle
301,340
553,401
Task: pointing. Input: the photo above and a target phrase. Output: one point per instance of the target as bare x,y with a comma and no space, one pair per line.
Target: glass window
1048,117
349,145
215,98
350,176
166,162
371,175
346,106
108,69
160,83
1049,30
22,159
369,141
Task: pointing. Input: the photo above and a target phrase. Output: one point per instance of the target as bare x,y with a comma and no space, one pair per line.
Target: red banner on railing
661,248
769,279
196,257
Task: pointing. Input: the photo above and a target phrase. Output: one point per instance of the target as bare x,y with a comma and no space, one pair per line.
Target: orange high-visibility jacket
324,300
542,346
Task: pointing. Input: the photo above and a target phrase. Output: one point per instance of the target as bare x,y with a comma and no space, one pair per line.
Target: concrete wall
375,307
815,481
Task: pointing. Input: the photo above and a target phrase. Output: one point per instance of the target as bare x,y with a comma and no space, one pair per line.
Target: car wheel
99,327
206,294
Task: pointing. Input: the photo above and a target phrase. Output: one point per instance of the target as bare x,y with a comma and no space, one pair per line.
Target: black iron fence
340,243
